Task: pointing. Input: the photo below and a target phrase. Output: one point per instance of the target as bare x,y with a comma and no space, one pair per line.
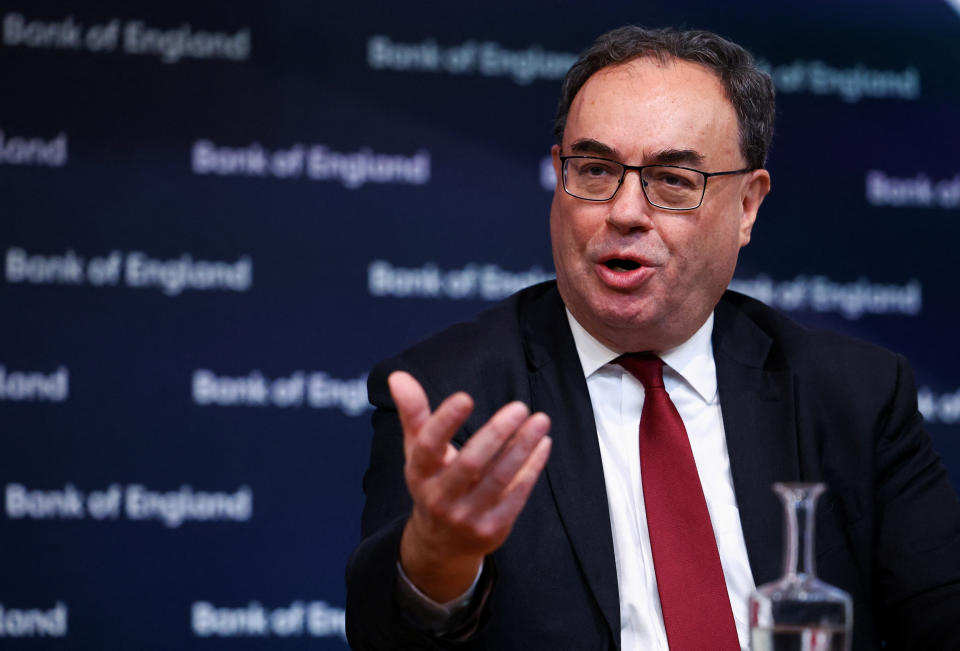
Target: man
653,519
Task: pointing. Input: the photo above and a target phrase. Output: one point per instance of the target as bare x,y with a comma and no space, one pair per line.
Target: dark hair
749,89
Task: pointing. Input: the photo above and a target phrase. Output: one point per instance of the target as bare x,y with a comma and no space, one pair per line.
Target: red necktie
693,593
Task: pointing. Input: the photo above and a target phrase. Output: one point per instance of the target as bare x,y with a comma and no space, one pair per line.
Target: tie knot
646,367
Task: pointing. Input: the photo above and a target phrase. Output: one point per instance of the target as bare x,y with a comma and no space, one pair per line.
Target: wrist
439,574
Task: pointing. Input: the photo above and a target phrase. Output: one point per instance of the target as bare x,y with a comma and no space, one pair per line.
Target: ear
555,153
754,190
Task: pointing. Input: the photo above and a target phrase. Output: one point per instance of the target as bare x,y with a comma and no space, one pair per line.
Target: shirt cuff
427,614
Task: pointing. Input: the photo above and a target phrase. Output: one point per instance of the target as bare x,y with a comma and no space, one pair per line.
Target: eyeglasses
665,186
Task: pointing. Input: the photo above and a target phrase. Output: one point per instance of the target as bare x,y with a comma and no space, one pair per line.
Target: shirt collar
692,360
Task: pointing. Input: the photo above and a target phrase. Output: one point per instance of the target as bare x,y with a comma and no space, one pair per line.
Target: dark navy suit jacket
796,404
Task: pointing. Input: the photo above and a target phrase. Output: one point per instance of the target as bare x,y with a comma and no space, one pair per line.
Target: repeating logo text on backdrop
34,386
134,269
849,84
132,502
33,622
299,619
33,150
939,408
488,282
316,389
917,191
314,162
129,37
492,59
486,59
821,294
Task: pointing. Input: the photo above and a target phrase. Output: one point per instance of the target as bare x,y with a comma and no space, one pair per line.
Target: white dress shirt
690,378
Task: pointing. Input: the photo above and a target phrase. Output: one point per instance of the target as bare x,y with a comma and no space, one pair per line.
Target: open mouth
618,264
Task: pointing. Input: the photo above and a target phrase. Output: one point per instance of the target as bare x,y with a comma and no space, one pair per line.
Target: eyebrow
675,157
591,146
661,157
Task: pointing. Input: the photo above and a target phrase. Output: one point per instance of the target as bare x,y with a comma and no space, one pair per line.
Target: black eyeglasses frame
639,169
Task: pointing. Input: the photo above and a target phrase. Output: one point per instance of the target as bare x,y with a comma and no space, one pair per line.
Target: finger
413,408
430,449
503,469
515,496
483,447
411,401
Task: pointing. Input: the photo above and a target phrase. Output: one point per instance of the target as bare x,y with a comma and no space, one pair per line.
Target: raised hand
465,501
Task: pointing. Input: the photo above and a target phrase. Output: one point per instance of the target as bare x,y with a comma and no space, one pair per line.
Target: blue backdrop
216,219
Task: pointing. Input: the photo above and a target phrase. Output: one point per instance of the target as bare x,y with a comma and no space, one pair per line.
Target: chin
620,321
622,310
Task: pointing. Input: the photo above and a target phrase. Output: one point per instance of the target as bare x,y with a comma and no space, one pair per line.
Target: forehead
646,106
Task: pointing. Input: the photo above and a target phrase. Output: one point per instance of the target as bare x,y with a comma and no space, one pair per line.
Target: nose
629,209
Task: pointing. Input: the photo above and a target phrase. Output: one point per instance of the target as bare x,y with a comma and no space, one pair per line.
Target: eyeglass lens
667,187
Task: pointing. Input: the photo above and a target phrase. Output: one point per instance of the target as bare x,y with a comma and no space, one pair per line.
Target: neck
639,339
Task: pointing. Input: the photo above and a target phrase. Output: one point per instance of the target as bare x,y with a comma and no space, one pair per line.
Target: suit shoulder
483,353
808,350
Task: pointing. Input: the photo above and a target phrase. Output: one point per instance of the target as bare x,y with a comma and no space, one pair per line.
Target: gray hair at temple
749,89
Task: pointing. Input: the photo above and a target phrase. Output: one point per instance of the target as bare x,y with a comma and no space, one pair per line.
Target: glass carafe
799,612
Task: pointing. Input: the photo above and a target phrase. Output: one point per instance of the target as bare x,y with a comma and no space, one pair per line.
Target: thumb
411,401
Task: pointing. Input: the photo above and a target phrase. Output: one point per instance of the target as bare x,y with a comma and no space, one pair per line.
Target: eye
594,169
673,179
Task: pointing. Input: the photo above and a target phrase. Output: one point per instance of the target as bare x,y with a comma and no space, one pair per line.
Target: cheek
697,252
716,254
571,233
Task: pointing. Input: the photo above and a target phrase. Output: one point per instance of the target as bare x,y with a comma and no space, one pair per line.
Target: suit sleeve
375,620
918,530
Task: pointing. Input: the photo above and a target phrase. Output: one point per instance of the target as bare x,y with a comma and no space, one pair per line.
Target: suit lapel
758,417
575,471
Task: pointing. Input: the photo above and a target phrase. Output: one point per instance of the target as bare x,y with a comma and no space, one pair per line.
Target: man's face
635,276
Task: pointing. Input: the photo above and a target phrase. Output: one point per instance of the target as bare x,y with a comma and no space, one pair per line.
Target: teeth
622,265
